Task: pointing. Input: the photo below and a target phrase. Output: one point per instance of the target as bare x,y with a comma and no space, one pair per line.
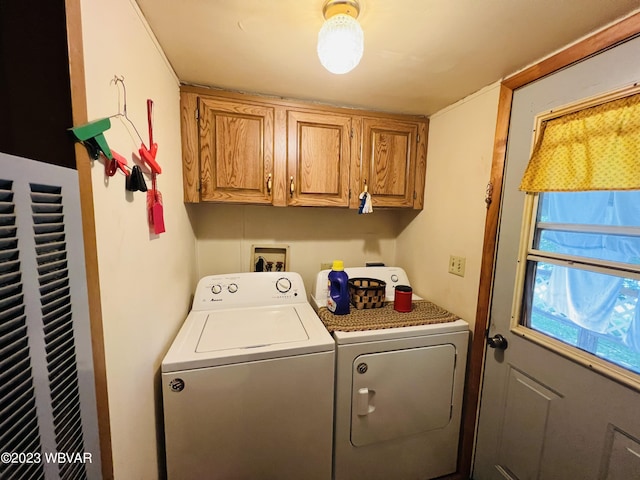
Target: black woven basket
367,292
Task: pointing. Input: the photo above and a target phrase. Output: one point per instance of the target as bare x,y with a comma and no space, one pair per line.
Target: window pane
616,208
616,248
595,312
566,210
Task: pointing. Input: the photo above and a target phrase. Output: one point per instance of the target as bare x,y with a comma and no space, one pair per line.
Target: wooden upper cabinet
234,153
240,148
389,158
318,159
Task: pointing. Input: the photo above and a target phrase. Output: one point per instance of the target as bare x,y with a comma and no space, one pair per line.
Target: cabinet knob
292,186
269,184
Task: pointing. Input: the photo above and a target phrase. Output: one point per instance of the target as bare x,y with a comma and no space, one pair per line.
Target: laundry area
254,385
290,273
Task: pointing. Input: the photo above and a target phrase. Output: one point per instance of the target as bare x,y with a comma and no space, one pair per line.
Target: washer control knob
394,278
216,289
283,284
232,288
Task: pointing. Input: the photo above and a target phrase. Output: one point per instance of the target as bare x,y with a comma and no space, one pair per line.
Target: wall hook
123,112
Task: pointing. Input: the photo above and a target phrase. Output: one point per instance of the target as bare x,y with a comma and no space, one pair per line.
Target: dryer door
401,392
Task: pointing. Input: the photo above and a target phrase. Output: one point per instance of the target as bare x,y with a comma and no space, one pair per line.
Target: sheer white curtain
587,298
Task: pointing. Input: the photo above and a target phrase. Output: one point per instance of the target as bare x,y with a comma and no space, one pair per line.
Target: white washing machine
398,392
247,384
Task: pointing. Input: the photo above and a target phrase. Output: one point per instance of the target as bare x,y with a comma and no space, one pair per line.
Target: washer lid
227,330
224,337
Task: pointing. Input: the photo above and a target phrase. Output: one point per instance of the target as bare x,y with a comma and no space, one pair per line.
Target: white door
544,413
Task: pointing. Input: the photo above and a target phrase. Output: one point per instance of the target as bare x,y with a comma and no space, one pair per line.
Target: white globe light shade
340,43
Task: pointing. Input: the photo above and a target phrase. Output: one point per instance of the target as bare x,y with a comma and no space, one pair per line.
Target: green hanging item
91,135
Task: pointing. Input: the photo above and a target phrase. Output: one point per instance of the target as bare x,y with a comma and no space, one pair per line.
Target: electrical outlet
326,265
456,265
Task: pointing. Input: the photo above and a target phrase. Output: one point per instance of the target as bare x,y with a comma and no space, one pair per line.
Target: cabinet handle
269,184
292,186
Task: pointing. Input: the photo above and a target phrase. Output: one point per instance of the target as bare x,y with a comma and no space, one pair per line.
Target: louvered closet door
48,415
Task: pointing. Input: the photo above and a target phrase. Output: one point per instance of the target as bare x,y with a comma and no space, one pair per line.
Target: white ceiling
419,55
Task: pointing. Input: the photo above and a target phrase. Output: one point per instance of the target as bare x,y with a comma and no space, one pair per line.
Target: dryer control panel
249,289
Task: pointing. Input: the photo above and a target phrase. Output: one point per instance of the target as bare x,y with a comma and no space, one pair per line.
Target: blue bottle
338,297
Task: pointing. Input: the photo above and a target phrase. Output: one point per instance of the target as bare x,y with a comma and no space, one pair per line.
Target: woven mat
423,313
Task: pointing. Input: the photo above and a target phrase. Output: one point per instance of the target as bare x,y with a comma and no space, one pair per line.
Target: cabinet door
389,161
236,151
318,159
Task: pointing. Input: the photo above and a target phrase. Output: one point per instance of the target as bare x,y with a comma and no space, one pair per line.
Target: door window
582,276
579,260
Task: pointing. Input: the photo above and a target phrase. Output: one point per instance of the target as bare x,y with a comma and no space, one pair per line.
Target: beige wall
452,222
225,234
146,280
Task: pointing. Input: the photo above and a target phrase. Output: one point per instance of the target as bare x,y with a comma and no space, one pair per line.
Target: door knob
498,341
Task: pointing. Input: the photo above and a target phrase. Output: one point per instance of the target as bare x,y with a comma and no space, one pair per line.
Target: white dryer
398,392
247,384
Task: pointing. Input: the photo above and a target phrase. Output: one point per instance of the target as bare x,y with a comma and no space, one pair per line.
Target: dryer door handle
365,402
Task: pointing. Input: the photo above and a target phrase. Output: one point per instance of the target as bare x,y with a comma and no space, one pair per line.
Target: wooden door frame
592,45
83,165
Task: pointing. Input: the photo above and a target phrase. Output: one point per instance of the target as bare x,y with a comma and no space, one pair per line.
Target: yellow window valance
596,148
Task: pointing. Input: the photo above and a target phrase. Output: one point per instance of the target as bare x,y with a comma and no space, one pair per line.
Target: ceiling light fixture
340,40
